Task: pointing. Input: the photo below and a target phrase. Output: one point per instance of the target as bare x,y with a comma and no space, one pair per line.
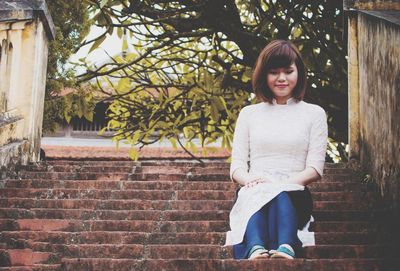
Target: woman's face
282,81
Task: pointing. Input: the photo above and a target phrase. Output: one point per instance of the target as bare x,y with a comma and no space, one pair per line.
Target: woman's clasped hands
256,181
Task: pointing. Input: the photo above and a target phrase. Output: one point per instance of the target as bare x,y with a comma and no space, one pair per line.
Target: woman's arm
304,177
241,150
315,160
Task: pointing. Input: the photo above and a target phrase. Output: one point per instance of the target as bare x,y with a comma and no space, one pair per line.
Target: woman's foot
258,252
284,251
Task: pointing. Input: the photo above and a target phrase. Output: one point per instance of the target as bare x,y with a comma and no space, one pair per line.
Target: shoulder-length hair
278,54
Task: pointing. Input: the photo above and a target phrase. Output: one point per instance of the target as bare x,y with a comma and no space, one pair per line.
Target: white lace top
278,141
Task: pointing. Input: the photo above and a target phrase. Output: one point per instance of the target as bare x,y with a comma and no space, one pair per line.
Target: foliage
186,65
80,103
71,20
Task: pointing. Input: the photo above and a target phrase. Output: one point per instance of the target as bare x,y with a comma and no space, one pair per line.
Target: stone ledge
13,153
20,10
11,130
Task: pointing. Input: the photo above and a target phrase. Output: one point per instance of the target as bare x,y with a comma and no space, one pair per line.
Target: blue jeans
274,224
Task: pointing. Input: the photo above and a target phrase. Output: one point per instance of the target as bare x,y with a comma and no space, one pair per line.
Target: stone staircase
170,215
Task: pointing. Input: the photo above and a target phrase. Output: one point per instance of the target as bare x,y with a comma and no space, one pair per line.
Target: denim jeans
274,224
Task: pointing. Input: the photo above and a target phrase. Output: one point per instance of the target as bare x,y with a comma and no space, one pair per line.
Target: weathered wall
379,108
30,99
22,88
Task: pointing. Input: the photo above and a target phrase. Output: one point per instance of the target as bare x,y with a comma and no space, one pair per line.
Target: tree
190,67
71,20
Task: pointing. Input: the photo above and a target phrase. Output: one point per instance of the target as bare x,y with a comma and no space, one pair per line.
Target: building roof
20,10
371,4
387,15
387,10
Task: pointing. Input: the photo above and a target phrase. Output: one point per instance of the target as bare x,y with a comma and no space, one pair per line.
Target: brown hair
278,54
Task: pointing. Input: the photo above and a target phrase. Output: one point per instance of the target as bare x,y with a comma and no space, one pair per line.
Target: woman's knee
283,196
283,201
258,216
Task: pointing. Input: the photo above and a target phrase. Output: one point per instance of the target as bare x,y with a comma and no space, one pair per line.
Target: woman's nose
281,76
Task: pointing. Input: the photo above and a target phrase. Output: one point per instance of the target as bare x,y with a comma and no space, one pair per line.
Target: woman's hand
257,181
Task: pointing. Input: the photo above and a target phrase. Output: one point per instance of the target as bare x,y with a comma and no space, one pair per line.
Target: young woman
284,140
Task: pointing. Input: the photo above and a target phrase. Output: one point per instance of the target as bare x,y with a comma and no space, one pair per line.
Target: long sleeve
241,143
318,142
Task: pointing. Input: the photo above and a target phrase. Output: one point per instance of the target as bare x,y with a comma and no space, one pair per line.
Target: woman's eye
289,71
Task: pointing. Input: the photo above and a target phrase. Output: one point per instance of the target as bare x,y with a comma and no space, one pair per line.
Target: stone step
217,169
131,168
163,226
74,176
83,264
126,237
137,204
64,193
172,215
34,267
219,177
160,162
164,185
213,169
78,168
196,251
99,194
24,257
89,162
157,176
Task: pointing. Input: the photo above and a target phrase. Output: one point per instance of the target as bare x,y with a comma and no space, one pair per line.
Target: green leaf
247,75
134,154
112,124
135,137
101,132
228,143
120,32
154,78
80,112
186,132
223,143
97,43
89,115
124,45
110,31
67,117
218,103
177,105
124,85
193,147
103,3
163,124
214,112
173,142
297,32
